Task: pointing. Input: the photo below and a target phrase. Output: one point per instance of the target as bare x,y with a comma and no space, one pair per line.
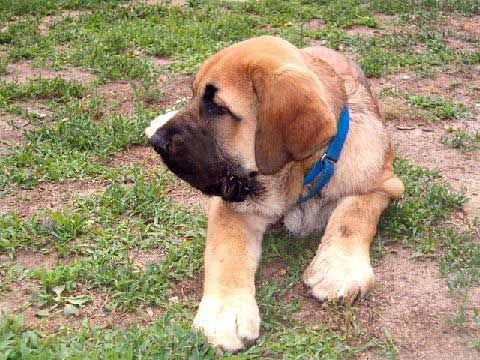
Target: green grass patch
110,41
424,51
460,139
422,107
71,144
102,230
438,107
13,8
170,337
57,89
3,65
424,7
425,203
104,41
416,221
23,40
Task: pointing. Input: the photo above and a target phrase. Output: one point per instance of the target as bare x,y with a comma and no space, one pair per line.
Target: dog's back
348,71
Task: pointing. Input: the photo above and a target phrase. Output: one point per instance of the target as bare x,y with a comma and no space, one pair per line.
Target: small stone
403,127
173,300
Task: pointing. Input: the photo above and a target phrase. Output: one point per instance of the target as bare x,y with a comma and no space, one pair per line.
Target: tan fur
289,101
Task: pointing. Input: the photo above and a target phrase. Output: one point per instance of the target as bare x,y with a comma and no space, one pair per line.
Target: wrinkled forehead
230,70
226,69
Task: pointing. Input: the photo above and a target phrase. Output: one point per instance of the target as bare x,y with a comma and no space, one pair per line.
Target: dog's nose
160,141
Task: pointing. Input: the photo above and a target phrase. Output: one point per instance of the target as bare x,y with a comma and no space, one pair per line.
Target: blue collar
326,164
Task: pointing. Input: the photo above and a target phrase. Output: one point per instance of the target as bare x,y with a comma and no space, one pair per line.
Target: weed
465,318
169,337
424,203
103,241
41,89
460,139
439,107
415,221
12,8
147,93
424,7
3,66
387,347
71,145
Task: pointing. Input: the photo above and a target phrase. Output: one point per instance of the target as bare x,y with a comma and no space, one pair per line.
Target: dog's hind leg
341,268
228,313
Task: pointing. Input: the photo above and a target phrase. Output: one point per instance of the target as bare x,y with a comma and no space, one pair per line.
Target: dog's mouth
230,187
235,189
216,180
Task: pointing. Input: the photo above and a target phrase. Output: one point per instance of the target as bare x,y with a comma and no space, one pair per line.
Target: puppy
262,115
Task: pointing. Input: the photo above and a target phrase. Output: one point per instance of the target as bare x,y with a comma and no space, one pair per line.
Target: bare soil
33,260
410,299
10,136
48,196
413,301
361,30
23,71
418,140
470,26
119,95
16,299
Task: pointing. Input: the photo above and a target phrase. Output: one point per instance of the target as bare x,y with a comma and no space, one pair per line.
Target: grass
101,231
438,107
11,8
104,40
460,139
101,240
415,222
170,337
401,104
41,89
71,143
3,66
467,320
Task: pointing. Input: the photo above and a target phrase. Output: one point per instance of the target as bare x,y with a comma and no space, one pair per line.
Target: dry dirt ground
410,298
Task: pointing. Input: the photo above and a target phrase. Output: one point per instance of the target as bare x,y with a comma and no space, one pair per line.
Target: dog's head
256,106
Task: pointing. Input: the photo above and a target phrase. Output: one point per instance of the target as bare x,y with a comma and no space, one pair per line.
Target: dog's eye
209,108
213,109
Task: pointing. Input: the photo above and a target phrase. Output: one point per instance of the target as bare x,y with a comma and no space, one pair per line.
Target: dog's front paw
336,275
230,323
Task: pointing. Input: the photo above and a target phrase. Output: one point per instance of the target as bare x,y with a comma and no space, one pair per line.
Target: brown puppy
261,115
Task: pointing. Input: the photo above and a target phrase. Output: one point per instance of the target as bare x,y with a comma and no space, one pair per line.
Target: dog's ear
294,119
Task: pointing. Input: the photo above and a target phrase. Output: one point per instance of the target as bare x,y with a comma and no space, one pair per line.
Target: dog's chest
305,218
